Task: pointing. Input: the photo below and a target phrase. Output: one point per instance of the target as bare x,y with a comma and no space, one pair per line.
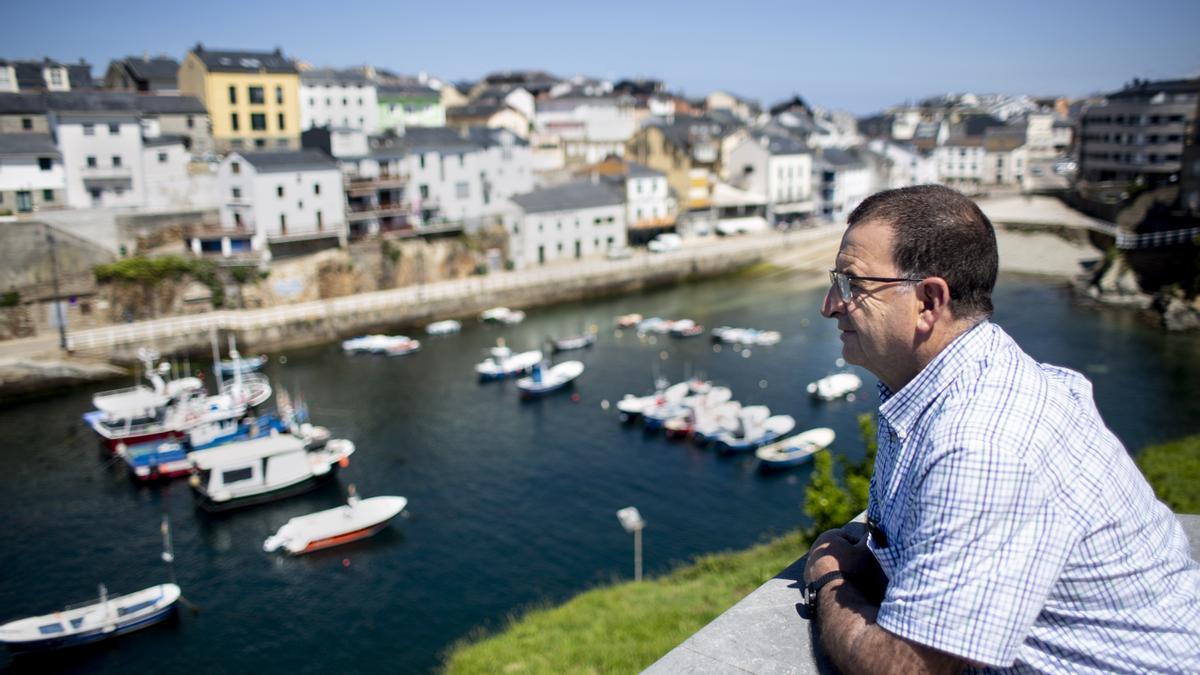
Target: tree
832,501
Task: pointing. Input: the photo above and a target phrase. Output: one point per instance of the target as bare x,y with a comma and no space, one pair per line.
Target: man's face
877,326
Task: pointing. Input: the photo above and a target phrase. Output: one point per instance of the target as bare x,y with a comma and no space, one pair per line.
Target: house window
461,189
27,124
233,121
258,121
320,220
44,163
281,124
56,77
260,143
89,129
114,129
316,188
256,95
423,190
421,161
235,167
279,191
360,101
47,195
283,223
279,94
191,122
116,161
232,94
237,193
162,158
91,161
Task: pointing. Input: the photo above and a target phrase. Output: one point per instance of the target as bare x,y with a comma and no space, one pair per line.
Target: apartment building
338,98
1138,134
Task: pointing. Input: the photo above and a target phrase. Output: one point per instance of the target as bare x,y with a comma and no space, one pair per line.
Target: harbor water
511,503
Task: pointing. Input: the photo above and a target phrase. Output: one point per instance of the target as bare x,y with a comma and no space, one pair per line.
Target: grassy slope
626,627
1174,471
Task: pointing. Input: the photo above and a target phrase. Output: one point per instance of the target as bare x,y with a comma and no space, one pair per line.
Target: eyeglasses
849,292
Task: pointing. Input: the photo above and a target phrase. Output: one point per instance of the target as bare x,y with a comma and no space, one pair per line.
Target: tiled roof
331,76
170,105
168,139
580,194
289,160
17,104
27,144
407,91
161,69
244,62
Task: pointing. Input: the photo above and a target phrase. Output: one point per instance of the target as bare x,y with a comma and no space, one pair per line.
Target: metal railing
575,273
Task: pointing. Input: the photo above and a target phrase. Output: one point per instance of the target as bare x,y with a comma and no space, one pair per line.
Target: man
1011,528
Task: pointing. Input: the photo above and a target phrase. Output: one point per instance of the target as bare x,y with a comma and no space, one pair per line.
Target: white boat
628,320
443,327
746,336
402,347
542,381
91,622
502,315
685,328
795,450
357,519
502,363
242,364
575,342
835,386
711,422
263,469
752,435
655,324
375,344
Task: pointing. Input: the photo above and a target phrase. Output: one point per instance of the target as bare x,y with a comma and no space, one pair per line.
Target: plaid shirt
1015,529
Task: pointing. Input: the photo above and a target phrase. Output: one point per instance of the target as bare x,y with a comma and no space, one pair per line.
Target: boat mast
212,334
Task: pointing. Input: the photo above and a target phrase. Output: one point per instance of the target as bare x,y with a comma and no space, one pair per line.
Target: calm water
510,503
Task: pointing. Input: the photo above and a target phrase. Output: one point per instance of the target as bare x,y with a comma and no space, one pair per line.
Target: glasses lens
842,282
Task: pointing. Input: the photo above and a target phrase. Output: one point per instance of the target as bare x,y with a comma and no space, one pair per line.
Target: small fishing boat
502,315
795,450
156,460
443,327
243,364
263,469
835,386
576,342
502,363
402,347
655,324
92,621
628,320
542,381
356,519
711,422
668,405
746,336
685,328
756,435
374,344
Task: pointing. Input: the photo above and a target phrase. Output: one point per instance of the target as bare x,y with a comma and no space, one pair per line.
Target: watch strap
814,588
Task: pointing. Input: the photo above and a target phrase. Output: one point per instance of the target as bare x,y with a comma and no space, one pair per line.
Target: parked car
665,242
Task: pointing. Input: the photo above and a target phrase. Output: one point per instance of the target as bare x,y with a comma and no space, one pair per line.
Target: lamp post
632,521
60,319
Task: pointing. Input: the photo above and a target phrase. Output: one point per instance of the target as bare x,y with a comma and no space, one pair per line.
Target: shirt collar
901,409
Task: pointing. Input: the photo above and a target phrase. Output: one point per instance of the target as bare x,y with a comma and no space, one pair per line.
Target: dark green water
511,503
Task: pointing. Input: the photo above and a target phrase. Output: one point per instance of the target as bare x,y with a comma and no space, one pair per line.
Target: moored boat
575,342
355,520
685,328
628,320
242,364
92,621
502,315
375,344
752,435
543,380
443,327
835,386
402,347
502,363
263,469
795,450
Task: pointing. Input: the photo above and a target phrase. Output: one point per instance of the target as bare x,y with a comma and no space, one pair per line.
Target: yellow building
253,98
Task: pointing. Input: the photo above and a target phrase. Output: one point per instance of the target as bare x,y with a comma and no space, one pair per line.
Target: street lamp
632,521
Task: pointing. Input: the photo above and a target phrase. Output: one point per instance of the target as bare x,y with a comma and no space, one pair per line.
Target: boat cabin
249,468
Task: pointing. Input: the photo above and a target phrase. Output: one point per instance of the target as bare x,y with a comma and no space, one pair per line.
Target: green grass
1174,471
625,627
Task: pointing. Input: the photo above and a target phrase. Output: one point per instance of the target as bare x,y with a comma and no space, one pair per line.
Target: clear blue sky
860,57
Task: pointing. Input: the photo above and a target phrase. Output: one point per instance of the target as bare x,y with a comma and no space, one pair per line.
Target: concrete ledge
767,633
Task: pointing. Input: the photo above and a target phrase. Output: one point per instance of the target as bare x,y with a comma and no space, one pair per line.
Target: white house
842,181
100,139
776,166
567,221
31,174
961,162
589,128
338,98
168,183
903,165
272,199
648,199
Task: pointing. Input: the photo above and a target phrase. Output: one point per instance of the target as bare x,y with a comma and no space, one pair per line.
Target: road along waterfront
511,503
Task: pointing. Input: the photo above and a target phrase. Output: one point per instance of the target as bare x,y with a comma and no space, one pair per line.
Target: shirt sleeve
981,556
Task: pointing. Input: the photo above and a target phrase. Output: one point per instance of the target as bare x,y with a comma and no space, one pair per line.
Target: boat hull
81,639
346,538
210,505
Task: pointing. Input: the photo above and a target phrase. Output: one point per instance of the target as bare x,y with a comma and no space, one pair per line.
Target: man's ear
933,294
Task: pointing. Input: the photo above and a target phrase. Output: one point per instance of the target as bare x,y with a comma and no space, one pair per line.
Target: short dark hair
939,233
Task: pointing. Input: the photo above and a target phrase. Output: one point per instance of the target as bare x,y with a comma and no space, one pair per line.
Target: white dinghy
795,450
835,386
357,519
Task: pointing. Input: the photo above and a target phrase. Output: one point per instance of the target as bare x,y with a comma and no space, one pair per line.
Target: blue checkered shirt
1016,530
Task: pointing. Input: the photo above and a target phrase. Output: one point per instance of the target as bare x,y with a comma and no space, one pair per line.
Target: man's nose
832,303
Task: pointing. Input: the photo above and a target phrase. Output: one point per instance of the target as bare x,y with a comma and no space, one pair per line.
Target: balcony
357,213
364,186
106,174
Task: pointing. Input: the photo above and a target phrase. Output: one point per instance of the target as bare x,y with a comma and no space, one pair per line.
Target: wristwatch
812,588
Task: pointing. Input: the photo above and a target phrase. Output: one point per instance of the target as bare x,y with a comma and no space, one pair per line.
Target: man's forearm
856,644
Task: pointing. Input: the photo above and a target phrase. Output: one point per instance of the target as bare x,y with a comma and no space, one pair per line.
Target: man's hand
838,551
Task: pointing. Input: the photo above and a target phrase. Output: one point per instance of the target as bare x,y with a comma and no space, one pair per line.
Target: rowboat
356,519
795,450
92,621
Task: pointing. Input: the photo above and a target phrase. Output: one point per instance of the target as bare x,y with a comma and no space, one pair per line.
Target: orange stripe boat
357,519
